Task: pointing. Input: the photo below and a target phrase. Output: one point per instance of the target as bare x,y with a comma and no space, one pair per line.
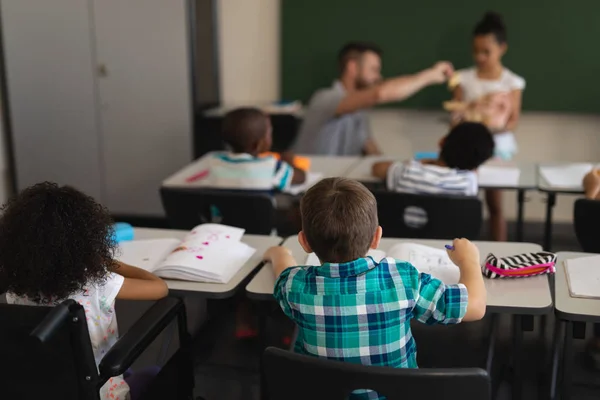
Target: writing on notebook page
428,260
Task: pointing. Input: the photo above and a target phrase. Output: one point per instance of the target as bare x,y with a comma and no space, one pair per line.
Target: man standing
334,121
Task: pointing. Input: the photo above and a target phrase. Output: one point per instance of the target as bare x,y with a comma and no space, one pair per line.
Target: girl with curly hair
56,244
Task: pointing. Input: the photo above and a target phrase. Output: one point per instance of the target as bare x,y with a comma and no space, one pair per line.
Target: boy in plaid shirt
352,308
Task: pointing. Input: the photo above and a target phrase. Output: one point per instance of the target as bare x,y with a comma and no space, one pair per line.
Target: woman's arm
139,284
516,100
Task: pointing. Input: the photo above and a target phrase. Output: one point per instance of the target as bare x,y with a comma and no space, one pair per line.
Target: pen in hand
449,247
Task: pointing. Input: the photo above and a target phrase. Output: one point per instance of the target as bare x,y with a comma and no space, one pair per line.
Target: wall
248,32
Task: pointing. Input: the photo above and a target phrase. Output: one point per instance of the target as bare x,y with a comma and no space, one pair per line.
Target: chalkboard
553,44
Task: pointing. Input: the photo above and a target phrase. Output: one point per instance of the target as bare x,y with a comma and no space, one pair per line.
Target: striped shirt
246,172
360,311
414,177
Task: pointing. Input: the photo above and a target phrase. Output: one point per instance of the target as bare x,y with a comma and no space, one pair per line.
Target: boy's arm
298,177
591,184
280,259
466,256
139,284
380,169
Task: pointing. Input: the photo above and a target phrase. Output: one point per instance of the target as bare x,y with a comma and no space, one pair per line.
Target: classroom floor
227,369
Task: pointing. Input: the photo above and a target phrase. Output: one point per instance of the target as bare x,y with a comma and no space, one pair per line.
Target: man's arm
394,89
370,147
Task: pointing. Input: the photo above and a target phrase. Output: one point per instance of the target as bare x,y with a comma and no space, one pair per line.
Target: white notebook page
428,260
565,176
490,175
583,276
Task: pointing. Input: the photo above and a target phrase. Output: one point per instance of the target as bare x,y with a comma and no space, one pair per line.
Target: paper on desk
311,179
146,254
491,175
583,276
428,260
377,255
565,176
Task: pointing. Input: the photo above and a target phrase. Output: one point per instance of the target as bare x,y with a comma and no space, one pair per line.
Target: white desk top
328,166
529,296
527,180
213,290
572,308
545,186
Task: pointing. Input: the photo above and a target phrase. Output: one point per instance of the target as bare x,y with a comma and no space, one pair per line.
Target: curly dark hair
54,240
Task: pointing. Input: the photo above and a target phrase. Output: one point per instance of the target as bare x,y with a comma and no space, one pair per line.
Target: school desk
574,188
195,174
527,181
213,290
522,298
571,315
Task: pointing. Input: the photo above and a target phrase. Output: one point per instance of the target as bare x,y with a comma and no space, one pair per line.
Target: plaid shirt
360,311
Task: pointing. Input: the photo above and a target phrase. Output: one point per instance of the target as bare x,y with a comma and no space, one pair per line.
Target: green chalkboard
553,44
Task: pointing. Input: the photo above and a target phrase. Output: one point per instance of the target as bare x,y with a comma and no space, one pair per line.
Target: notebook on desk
425,258
209,253
568,176
492,175
583,277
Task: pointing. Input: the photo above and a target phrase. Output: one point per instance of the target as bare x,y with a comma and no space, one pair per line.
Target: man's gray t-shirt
322,132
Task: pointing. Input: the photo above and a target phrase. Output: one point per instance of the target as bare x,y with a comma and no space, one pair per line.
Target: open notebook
583,276
426,259
209,253
568,176
501,176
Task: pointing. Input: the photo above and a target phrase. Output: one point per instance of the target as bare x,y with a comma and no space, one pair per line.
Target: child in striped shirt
463,150
248,133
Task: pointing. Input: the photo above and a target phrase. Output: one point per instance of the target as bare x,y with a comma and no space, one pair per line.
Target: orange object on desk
299,162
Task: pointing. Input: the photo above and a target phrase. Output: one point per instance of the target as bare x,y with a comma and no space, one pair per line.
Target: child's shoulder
514,81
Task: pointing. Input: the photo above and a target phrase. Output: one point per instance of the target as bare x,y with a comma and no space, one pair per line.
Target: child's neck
491,73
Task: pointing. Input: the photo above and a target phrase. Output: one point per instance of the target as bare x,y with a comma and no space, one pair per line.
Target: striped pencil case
519,266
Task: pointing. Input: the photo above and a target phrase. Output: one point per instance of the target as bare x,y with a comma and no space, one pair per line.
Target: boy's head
467,146
339,220
247,130
53,241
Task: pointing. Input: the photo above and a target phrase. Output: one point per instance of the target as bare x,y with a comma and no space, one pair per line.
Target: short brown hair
243,128
339,219
355,50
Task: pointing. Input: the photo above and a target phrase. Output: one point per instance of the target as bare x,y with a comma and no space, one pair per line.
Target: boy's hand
275,252
280,259
465,253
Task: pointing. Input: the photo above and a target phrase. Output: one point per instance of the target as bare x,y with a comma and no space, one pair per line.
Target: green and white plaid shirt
360,311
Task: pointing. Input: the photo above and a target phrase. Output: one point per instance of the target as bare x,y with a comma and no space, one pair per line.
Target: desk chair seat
586,219
252,211
322,379
46,353
421,216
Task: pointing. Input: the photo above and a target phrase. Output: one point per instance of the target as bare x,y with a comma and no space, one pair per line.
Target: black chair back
252,211
46,353
586,219
334,380
419,216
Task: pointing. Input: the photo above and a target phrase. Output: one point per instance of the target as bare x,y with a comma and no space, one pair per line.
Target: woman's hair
492,23
54,240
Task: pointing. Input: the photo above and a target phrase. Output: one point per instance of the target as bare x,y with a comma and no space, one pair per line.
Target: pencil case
302,163
519,266
122,232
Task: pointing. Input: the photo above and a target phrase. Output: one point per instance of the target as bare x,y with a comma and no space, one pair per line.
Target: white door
51,93
145,98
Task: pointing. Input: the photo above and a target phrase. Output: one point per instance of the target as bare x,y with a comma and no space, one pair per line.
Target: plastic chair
322,379
586,219
419,216
47,353
252,211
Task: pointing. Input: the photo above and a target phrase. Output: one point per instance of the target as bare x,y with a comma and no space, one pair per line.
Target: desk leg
489,362
520,211
556,341
551,201
567,361
517,388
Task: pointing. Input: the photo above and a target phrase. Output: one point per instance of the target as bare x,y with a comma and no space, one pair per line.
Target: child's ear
303,242
504,48
377,237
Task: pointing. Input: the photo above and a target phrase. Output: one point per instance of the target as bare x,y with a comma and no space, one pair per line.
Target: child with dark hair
352,308
489,81
463,150
56,244
248,133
